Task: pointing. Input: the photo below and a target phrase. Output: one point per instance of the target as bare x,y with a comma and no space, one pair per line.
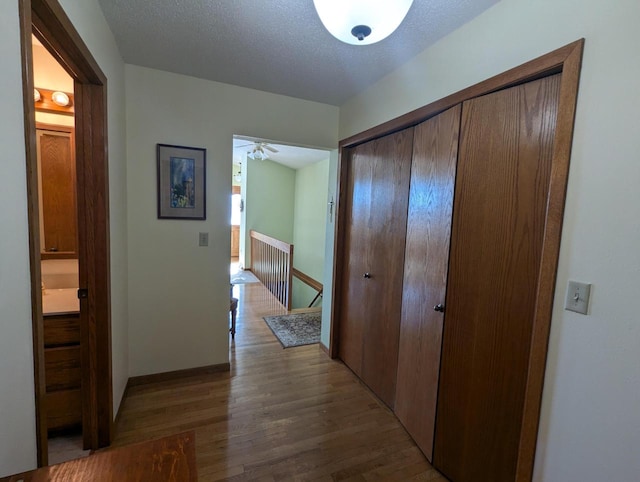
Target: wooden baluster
272,264
285,285
274,284
289,276
271,248
283,278
280,287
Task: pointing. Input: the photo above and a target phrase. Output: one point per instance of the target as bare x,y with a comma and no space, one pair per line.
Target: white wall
49,74
179,292
90,23
17,410
17,404
590,423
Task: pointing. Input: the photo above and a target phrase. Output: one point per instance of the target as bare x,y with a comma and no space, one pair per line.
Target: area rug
243,277
297,329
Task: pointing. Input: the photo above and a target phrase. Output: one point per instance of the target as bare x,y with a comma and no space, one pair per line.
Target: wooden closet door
376,198
433,172
499,217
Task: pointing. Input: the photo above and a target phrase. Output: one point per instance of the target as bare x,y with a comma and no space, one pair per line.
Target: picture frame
181,182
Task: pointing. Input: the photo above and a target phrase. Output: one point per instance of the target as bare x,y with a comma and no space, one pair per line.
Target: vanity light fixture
362,22
53,101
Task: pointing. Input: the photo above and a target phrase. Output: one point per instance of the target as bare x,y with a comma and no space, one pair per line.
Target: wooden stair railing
272,263
309,281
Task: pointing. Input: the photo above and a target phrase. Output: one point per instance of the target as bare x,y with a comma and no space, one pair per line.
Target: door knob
439,307
367,275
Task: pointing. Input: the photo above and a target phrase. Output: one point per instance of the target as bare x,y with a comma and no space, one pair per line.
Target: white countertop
60,301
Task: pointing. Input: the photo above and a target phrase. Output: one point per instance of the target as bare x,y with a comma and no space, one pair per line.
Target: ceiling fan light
258,154
60,98
362,22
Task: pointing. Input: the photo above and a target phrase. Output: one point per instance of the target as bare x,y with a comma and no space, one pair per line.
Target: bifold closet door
374,241
502,184
433,172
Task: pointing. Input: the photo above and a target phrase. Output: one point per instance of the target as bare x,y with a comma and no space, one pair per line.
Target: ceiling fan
257,151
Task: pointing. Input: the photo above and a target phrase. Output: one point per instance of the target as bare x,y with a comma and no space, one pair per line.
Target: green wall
269,202
290,205
309,228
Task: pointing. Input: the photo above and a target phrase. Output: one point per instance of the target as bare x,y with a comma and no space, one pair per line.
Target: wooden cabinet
378,191
57,181
235,241
63,375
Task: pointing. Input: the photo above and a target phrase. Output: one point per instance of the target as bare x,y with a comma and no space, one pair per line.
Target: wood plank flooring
279,414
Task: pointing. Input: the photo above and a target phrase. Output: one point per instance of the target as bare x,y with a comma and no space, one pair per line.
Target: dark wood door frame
47,20
566,60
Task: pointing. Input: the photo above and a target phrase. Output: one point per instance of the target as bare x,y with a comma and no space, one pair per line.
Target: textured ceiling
294,157
276,46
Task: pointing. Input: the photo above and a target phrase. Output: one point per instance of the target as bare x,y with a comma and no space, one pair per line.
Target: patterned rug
297,329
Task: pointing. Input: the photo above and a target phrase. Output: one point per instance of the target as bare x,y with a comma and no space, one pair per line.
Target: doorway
57,203
284,196
46,20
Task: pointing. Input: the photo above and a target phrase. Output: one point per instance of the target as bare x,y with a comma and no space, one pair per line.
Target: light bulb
60,98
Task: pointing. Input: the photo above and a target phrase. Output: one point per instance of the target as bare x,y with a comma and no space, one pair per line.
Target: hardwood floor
278,415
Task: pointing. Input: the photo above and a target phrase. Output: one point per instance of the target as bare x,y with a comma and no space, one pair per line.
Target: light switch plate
203,239
577,297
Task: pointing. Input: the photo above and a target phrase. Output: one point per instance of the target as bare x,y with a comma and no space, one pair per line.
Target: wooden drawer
64,409
61,330
62,368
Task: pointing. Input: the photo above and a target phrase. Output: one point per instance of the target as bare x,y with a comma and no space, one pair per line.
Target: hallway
277,415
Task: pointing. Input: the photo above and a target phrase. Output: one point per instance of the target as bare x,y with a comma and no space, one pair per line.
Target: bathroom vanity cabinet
62,371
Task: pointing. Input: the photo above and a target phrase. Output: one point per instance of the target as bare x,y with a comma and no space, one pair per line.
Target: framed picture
181,182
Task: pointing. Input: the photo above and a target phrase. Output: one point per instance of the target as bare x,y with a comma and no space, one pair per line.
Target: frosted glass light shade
257,154
383,17
60,98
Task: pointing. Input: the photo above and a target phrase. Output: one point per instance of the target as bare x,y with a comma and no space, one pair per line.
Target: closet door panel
387,224
354,310
376,196
435,151
498,226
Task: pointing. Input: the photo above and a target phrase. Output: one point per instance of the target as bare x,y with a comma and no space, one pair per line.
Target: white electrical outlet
203,239
578,297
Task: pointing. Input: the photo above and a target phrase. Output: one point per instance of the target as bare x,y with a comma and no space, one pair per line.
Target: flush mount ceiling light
362,22
60,98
